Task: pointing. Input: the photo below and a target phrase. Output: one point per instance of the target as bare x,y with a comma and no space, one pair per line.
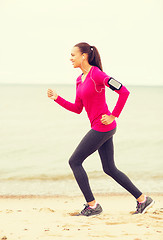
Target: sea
37,138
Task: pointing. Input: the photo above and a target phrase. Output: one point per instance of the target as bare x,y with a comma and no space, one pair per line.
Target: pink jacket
90,94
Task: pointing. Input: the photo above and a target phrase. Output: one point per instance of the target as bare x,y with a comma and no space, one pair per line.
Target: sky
36,38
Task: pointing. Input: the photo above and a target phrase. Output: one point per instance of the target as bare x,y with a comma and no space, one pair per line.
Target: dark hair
94,58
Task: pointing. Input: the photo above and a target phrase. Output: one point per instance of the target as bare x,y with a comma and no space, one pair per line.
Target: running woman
90,94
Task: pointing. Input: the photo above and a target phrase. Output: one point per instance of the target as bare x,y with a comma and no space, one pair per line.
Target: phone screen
115,83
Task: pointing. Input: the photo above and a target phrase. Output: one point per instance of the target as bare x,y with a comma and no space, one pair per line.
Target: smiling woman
82,51
90,94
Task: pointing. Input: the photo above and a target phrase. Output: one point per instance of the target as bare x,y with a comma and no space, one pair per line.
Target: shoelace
138,206
86,209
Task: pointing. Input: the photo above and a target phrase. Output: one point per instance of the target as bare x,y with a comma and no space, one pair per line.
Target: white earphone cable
92,78
95,82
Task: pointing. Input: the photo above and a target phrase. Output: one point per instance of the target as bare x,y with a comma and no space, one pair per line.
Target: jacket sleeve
123,95
76,107
102,79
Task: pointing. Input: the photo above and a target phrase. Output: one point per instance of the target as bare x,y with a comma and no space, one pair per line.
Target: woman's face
76,57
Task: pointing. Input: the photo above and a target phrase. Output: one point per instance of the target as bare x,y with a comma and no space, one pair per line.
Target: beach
52,217
36,142
38,193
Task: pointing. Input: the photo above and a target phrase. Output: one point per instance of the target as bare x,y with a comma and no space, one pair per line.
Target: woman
90,93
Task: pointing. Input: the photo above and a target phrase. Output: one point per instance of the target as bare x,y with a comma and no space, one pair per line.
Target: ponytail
94,58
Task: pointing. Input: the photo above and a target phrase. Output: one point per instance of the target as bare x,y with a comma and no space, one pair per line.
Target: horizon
72,84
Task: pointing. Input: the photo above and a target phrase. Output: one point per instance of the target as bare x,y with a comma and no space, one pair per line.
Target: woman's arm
123,95
76,107
102,79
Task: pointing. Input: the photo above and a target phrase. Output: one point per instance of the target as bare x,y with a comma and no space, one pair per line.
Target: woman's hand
52,94
106,119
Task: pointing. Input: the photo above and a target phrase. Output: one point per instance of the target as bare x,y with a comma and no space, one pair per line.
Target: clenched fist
52,94
106,119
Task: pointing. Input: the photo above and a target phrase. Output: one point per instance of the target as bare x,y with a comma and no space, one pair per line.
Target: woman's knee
71,162
74,161
107,171
111,172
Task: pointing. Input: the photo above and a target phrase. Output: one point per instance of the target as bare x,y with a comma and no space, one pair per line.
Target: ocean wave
91,175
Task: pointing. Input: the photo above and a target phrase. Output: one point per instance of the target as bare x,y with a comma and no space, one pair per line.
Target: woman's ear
85,56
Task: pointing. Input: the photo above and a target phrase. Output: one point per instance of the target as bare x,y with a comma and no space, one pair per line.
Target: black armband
114,84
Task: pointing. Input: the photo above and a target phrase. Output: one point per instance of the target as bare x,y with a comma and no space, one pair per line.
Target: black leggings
103,142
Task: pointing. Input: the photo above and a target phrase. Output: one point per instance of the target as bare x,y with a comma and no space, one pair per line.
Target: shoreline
52,217
109,194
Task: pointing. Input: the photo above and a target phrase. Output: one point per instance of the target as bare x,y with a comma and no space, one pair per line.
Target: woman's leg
89,144
106,152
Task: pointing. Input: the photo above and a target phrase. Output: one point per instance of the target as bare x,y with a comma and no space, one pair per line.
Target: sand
46,218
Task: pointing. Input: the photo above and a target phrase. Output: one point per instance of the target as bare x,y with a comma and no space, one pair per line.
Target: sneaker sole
94,215
149,206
